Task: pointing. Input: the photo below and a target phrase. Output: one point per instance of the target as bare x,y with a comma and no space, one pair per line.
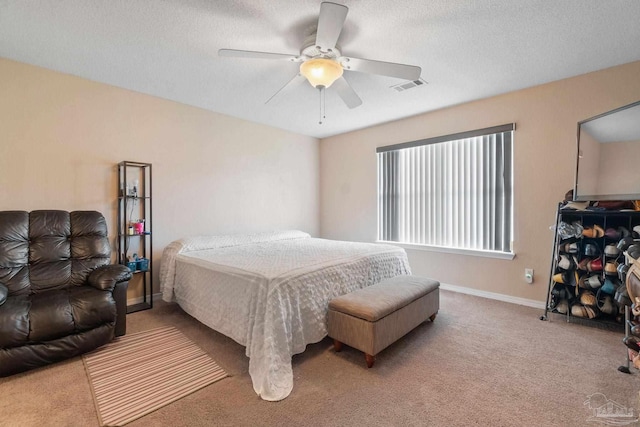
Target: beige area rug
139,373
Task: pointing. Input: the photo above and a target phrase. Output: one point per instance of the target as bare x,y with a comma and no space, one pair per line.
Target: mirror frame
594,197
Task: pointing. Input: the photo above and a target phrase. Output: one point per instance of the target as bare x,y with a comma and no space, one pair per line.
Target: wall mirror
608,165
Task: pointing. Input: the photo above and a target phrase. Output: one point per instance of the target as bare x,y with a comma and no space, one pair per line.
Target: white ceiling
467,50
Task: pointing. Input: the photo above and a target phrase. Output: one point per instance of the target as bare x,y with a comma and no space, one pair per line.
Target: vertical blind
453,191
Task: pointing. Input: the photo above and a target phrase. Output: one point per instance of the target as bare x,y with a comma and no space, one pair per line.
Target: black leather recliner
59,295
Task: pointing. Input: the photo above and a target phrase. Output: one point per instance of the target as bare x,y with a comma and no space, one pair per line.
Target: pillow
4,292
198,243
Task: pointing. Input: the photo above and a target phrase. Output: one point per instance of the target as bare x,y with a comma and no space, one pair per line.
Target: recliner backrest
50,249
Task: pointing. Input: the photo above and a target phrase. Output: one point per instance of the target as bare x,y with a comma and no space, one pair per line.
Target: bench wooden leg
337,345
370,360
433,316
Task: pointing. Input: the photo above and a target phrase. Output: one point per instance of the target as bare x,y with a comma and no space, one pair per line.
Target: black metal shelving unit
588,218
135,207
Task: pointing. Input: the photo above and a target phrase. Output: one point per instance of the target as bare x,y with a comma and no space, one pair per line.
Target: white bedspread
270,292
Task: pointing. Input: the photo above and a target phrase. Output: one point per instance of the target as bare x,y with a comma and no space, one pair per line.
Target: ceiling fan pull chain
321,99
324,103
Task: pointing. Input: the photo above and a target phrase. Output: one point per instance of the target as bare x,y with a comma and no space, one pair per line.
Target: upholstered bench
372,318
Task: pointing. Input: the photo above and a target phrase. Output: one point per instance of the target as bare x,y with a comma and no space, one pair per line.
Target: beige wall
544,166
61,138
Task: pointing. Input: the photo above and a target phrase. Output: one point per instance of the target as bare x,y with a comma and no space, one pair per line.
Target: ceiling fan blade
346,92
233,53
391,69
330,24
287,86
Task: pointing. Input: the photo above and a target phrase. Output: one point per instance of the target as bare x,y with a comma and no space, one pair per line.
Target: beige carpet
481,363
139,373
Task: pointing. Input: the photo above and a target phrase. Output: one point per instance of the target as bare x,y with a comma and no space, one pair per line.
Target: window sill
457,251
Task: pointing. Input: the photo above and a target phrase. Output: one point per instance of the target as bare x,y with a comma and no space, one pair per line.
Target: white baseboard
138,300
493,295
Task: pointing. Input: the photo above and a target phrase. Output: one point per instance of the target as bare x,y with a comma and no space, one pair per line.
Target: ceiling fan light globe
321,71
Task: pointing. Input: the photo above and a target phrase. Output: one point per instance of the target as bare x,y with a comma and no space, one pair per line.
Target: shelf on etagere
139,271
139,307
134,197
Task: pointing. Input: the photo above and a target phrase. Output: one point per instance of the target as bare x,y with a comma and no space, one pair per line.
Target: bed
270,291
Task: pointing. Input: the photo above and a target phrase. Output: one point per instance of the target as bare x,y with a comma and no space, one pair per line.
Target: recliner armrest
106,277
4,293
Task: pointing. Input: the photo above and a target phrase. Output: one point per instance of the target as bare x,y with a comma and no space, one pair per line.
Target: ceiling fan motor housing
310,50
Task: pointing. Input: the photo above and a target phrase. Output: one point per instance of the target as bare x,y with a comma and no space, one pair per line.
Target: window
453,191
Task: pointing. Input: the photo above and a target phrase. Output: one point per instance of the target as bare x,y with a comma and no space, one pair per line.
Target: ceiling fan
322,62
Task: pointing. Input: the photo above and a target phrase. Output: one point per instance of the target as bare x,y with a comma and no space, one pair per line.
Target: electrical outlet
528,275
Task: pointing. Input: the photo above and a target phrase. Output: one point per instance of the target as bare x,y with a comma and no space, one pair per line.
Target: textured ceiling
467,50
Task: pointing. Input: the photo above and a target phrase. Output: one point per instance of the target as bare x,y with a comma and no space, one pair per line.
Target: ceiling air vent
408,85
